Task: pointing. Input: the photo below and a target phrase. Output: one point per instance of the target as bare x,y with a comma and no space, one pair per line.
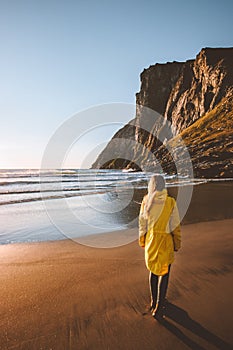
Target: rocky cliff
192,99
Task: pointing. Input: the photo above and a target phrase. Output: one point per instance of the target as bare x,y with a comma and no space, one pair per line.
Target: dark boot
158,312
162,283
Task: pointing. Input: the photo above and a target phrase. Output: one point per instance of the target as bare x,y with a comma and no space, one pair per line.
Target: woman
159,234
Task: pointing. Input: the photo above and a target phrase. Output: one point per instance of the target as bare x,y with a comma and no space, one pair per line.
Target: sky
60,57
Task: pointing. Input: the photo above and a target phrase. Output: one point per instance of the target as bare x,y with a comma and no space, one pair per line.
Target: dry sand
62,295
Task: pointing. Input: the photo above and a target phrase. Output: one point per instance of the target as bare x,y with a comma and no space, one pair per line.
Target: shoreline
210,201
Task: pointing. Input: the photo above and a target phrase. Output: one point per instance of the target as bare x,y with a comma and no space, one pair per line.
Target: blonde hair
156,183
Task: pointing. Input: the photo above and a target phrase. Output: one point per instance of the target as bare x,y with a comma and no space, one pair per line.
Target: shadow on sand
182,318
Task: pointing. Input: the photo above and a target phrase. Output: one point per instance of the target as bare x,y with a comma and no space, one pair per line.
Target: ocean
46,205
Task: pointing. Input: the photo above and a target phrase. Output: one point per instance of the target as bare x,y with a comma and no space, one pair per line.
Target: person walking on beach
159,234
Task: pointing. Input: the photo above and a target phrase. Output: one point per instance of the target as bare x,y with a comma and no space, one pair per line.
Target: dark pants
158,288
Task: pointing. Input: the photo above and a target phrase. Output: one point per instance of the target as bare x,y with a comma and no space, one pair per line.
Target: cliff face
181,94
209,142
200,87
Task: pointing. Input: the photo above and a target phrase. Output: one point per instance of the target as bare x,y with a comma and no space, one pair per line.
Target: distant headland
196,97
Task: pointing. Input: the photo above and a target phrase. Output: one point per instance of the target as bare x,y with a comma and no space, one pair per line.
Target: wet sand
63,295
66,295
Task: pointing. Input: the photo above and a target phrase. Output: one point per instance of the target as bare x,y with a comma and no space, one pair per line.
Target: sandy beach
71,295
63,295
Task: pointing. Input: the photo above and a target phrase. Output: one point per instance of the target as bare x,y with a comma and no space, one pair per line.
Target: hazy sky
60,57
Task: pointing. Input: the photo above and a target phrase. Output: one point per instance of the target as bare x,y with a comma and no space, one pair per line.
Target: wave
25,185
56,196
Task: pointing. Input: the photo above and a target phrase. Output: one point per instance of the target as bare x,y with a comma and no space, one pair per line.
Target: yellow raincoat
160,232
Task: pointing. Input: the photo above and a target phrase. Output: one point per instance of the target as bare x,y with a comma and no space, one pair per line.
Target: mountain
180,101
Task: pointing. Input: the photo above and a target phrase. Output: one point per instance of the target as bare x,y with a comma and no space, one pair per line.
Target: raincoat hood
156,197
